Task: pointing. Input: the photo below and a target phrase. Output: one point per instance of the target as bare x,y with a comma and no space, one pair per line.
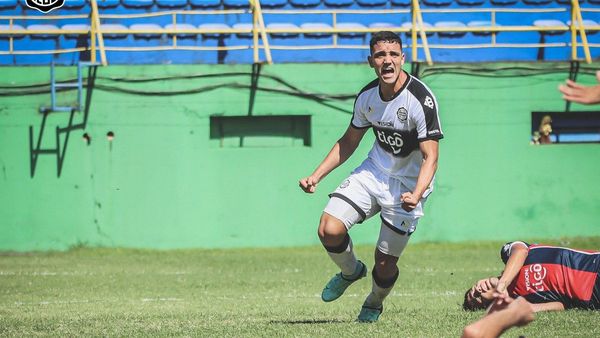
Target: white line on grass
162,300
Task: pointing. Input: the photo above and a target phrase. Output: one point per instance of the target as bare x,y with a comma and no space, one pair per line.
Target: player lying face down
548,277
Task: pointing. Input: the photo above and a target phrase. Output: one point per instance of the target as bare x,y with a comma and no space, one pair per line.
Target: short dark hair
386,36
468,306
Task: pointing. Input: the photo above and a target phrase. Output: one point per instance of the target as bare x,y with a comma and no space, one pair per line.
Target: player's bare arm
430,151
341,151
518,254
552,306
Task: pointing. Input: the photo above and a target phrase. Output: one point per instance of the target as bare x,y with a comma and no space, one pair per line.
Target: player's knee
471,331
385,265
331,230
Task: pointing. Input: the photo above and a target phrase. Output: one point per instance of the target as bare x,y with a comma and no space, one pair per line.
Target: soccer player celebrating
548,277
395,179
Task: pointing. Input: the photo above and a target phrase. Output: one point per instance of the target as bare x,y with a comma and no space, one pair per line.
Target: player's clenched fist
409,201
308,184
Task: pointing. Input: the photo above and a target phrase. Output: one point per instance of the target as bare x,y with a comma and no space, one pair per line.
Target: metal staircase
81,105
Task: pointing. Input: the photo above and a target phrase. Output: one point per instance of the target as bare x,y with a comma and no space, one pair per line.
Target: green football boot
339,283
369,314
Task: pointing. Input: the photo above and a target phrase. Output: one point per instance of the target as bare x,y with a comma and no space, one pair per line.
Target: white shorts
370,190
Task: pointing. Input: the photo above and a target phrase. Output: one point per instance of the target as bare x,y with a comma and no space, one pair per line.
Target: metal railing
418,30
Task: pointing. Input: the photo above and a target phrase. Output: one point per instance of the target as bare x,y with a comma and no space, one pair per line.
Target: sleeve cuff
432,137
357,127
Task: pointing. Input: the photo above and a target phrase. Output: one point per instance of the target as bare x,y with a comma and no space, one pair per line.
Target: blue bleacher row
243,20
193,40
16,6
592,26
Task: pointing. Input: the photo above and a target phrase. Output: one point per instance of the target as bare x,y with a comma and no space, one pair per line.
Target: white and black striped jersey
399,124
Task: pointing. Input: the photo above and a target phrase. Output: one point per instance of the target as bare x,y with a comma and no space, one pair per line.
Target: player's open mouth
387,70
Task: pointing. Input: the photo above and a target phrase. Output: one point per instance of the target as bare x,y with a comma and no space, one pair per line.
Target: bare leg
385,275
334,237
517,312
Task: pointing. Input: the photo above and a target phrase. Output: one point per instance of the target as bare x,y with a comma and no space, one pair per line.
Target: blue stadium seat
286,26
138,3
205,3
273,3
47,27
145,26
450,24
567,2
74,4
8,4
437,3
305,3
595,2
171,3
401,3
552,37
14,27
214,26
115,26
351,26
371,3
236,3
5,44
409,26
104,4
537,2
339,3
40,42
181,26
481,23
74,40
550,23
74,27
470,2
383,26
503,2
316,25
243,25
588,24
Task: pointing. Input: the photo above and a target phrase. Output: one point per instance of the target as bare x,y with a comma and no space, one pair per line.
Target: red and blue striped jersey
557,274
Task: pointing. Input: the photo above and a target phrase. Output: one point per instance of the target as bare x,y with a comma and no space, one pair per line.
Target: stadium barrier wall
162,182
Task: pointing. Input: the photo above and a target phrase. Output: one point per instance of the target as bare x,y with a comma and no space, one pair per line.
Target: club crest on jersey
402,114
45,6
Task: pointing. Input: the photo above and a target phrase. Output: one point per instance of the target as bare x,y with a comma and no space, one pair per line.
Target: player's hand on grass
409,201
308,184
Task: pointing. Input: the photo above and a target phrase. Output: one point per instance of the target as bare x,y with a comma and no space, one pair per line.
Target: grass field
250,292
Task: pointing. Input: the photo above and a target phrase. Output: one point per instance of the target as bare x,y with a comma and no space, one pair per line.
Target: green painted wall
163,184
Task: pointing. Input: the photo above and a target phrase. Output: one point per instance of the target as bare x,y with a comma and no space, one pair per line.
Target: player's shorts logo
45,6
345,184
402,114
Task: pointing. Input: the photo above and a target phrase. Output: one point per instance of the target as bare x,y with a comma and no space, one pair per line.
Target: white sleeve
507,248
359,118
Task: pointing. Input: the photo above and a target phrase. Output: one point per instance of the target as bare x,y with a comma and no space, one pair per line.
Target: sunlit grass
250,292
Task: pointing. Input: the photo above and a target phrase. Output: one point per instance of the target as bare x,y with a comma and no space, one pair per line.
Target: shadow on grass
309,321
